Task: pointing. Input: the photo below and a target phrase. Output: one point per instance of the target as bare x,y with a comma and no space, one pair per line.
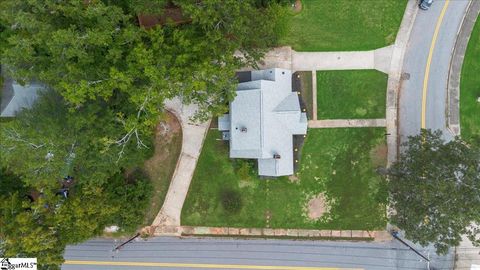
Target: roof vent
276,156
243,129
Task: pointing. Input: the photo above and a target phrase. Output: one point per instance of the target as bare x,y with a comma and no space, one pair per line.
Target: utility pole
395,235
126,242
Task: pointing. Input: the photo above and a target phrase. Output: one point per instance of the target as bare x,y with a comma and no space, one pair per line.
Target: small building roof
16,97
171,14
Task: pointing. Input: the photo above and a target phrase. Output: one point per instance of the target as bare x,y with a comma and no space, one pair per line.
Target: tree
89,50
48,142
434,190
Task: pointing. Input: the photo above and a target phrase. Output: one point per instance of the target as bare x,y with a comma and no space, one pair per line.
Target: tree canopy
87,50
434,191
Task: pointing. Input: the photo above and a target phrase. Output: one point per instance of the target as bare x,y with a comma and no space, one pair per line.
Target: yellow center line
195,265
429,62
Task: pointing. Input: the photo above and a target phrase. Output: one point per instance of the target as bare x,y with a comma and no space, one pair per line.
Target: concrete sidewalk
346,123
192,142
378,236
376,59
285,57
395,77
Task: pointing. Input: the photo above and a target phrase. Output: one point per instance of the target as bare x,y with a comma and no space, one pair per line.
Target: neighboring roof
224,122
170,15
16,97
264,116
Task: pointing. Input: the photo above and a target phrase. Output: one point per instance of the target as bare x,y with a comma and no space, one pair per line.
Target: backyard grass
160,167
344,25
351,94
340,163
470,88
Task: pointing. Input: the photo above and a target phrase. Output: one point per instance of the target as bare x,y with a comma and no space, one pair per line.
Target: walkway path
346,123
193,135
378,236
376,59
395,77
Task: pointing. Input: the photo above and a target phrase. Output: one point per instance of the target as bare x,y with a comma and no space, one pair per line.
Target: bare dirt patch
160,167
294,178
317,207
297,7
378,155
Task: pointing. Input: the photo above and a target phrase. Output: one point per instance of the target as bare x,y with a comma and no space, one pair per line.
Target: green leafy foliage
90,51
49,142
434,190
43,145
130,194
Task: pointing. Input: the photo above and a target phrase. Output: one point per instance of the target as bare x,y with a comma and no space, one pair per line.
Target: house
263,118
15,97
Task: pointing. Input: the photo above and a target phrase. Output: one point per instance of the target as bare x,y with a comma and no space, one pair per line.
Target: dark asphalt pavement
410,102
253,253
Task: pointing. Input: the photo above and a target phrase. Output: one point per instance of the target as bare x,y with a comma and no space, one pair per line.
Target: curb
454,72
394,80
358,235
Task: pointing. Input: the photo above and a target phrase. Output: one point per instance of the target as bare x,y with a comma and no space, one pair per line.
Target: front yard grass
340,163
344,25
470,88
351,94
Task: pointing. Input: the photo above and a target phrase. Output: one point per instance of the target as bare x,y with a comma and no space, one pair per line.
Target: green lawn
344,25
338,162
351,94
470,88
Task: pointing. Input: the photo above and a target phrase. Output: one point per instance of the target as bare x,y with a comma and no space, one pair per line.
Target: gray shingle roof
264,116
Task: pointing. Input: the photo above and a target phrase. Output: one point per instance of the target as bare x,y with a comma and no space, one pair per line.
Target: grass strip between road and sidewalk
470,88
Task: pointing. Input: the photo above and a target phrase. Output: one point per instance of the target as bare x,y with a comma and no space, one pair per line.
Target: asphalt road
446,16
215,253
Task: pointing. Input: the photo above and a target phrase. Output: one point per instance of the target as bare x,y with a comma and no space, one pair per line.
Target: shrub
231,200
131,194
